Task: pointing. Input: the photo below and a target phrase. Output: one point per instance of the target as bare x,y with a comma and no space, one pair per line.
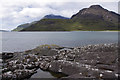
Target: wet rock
30,66
107,67
44,65
108,75
65,67
7,76
5,70
17,74
6,55
79,75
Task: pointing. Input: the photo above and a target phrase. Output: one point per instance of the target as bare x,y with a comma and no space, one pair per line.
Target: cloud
15,12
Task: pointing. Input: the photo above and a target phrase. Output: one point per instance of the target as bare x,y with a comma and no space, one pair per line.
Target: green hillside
94,18
70,25
54,25
18,29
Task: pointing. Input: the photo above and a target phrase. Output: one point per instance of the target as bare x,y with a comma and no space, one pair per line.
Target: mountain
22,26
3,31
96,17
52,16
93,18
96,11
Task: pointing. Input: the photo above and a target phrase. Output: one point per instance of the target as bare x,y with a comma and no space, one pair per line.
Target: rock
107,67
6,55
44,65
109,75
92,61
65,67
79,75
18,74
5,70
30,66
7,75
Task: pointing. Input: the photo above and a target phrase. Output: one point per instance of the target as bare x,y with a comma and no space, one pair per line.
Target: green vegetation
70,25
22,26
18,29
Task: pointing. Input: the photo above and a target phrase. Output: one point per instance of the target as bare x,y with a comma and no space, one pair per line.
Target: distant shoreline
103,31
70,31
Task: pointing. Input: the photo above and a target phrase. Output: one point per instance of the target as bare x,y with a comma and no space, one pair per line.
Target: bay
21,41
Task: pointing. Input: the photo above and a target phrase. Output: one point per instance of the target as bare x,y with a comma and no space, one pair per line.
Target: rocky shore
91,61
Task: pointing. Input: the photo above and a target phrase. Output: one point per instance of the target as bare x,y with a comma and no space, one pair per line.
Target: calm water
20,41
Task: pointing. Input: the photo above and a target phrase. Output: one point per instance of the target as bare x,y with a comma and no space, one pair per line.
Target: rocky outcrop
92,61
7,55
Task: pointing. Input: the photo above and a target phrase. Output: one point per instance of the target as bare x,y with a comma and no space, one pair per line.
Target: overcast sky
16,12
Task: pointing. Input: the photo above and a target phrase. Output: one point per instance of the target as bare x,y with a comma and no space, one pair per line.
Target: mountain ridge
4,31
50,16
93,18
22,26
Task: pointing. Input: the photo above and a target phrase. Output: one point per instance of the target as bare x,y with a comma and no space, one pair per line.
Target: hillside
97,18
3,31
50,16
93,18
22,26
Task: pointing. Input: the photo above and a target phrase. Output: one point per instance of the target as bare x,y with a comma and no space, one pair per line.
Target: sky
16,12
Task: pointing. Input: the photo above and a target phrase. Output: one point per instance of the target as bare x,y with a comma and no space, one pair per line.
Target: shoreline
97,31
72,31
73,62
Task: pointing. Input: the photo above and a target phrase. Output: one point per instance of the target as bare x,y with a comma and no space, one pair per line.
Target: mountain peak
96,12
96,6
52,16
